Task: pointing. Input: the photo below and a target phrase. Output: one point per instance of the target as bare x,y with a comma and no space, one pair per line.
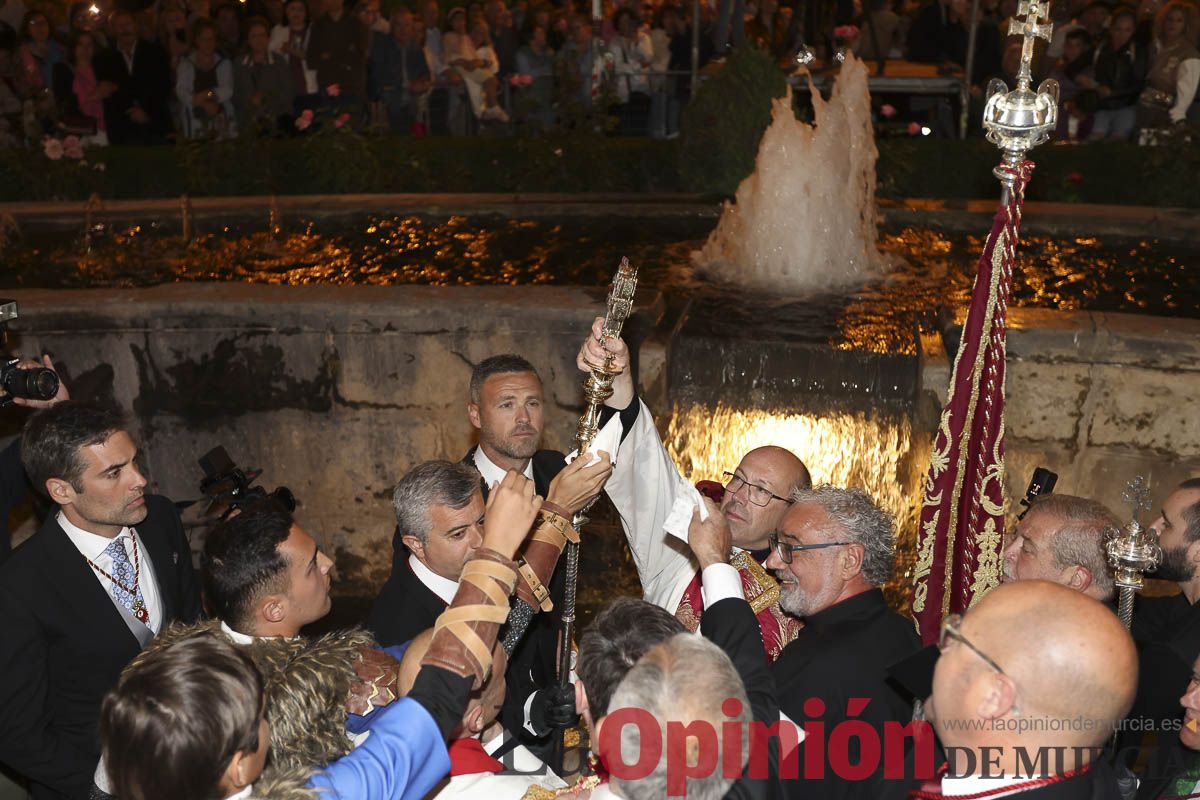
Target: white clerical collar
91,545
493,474
977,785
442,587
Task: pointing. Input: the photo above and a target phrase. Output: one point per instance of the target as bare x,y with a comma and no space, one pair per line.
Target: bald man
473,772
645,484
1061,539
1029,688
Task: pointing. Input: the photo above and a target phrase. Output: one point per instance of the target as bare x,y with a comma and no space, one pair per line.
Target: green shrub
724,123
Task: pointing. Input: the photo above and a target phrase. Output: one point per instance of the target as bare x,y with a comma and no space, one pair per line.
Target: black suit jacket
147,86
731,625
63,645
404,607
843,653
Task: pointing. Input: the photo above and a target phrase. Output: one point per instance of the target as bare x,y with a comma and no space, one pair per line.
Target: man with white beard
834,549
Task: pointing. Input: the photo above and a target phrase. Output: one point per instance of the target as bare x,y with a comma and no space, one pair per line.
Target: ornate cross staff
962,513
597,388
1133,551
1020,120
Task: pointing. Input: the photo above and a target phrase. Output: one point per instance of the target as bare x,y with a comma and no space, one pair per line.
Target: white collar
91,545
238,638
442,587
975,784
491,473
242,794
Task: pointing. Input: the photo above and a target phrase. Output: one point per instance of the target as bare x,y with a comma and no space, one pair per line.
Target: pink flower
914,128
73,147
526,80
888,111
342,119
307,114
53,148
1075,178
333,90
303,122
845,32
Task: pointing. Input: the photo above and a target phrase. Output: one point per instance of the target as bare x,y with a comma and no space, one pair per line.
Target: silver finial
1019,120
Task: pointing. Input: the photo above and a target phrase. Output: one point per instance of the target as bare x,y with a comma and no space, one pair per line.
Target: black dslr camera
29,383
228,487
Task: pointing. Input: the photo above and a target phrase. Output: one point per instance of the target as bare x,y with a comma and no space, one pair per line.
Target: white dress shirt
493,474
442,587
975,784
92,546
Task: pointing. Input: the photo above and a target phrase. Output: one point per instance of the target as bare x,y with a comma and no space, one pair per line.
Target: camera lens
37,383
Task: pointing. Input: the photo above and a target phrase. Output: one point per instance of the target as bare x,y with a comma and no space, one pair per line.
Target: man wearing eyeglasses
645,485
1031,684
833,551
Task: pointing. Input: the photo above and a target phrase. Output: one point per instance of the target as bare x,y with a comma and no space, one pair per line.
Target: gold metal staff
597,388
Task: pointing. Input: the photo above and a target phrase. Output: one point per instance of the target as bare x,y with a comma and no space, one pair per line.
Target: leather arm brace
464,634
540,557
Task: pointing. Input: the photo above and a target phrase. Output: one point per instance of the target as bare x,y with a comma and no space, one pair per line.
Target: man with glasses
833,551
1030,686
645,485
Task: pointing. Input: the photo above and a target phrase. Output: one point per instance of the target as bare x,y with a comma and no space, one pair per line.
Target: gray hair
1079,539
443,483
862,522
686,679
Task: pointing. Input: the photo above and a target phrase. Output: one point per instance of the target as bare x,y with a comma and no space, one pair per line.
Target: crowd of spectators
187,69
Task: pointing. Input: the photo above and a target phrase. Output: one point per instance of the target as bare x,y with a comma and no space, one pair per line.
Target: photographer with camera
23,382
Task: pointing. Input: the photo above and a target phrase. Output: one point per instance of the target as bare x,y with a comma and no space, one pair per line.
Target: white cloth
522,770
720,582
92,546
442,587
242,794
974,784
1186,79
493,474
236,636
608,439
643,487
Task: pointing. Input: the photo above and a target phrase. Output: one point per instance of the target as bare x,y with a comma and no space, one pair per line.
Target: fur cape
307,683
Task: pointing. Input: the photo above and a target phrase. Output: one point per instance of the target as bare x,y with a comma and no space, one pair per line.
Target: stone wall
334,392
1098,398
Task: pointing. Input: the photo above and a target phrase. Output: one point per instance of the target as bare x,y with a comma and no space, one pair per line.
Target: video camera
1041,483
228,487
29,383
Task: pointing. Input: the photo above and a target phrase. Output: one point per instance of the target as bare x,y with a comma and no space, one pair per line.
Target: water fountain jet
805,220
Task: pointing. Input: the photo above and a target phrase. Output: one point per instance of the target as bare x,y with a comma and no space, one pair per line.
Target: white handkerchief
681,513
607,439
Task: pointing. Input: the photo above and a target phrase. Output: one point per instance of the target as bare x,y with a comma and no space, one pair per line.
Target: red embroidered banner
962,513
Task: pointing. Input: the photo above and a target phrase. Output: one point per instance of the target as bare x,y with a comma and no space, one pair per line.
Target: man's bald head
484,703
1069,671
777,472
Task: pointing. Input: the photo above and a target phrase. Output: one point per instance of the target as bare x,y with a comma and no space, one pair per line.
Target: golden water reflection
881,455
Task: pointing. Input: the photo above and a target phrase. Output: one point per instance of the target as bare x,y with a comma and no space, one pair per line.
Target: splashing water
805,218
878,454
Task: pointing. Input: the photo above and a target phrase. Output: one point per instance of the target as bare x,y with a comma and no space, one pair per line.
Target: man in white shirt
84,595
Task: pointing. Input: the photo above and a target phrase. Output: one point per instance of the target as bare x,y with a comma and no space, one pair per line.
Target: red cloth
778,627
962,513
467,757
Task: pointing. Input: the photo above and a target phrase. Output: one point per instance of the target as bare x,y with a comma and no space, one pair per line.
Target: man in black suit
440,514
137,112
833,551
84,595
1031,684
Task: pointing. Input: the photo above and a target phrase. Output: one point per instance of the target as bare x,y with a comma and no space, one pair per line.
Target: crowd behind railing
154,71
